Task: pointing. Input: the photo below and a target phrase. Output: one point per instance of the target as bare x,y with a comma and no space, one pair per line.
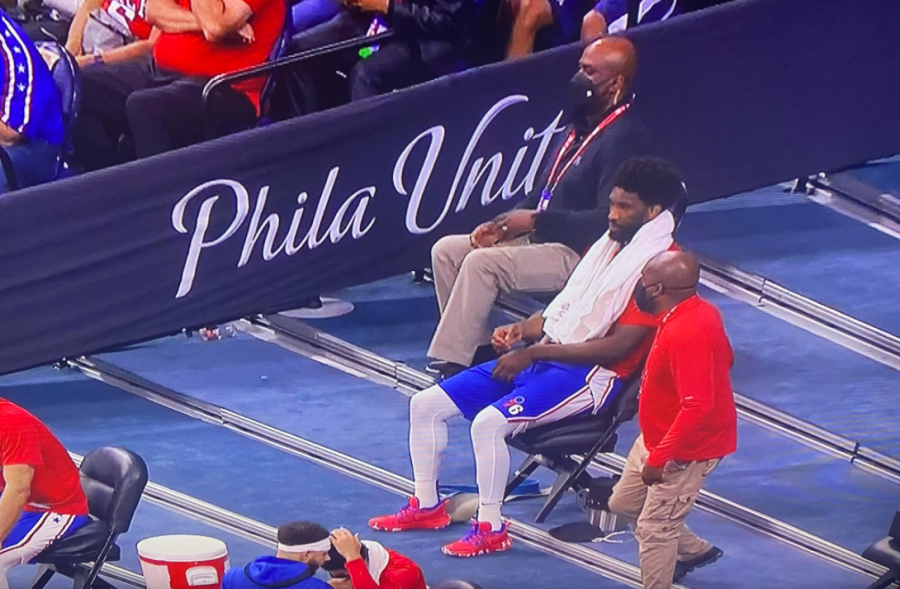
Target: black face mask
582,96
644,303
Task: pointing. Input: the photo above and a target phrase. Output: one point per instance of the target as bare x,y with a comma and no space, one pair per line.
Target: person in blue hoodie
302,548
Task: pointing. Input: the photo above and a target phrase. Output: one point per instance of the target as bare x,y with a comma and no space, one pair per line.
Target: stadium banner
740,96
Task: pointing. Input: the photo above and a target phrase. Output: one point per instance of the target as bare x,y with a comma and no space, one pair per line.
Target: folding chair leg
564,481
100,583
562,484
528,466
44,574
884,581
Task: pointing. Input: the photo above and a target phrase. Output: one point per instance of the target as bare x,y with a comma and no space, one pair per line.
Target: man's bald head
609,57
667,279
675,270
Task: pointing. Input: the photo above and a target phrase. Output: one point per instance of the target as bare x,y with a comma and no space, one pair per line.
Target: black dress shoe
683,567
312,303
444,369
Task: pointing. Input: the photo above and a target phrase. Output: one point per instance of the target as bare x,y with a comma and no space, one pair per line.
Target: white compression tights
429,412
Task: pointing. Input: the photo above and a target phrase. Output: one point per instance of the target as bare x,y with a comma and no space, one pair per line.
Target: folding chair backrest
626,404
113,480
279,50
67,78
895,527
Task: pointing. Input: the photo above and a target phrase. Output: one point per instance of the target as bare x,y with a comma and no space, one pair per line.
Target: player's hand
510,365
246,33
486,235
517,223
505,337
369,5
346,544
651,475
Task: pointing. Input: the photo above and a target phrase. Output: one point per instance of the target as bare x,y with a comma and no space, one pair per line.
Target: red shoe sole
502,548
381,528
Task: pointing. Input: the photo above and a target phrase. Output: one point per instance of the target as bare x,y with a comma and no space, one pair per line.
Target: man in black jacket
430,40
535,247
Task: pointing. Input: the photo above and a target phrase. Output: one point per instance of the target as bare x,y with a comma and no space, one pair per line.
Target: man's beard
623,235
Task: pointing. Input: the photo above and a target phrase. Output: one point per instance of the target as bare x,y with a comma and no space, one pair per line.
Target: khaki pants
660,512
468,282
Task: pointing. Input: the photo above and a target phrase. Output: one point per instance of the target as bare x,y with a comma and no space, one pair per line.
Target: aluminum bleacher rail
528,535
325,348
290,60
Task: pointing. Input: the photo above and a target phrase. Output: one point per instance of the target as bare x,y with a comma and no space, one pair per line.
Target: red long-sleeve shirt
400,573
686,409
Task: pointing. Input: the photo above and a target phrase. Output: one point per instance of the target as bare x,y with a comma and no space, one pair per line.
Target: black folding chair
886,552
113,480
568,447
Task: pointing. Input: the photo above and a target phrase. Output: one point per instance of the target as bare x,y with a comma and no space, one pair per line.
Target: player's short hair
337,562
301,532
655,180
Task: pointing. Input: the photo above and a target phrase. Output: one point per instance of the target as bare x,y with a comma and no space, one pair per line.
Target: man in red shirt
156,100
592,338
41,497
687,417
369,565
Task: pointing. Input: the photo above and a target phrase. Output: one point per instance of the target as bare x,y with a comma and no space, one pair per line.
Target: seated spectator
535,247
592,332
109,31
611,16
302,548
369,565
31,124
431,36
542,24
156,101
41,496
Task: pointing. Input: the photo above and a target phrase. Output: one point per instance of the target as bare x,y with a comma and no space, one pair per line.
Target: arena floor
808,248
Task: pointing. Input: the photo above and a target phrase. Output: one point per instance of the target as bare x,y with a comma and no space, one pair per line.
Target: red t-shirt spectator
686,409
400,573
192,55
24,440
129,15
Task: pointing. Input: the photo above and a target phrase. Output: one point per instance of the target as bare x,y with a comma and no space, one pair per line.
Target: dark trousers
155,110
397,64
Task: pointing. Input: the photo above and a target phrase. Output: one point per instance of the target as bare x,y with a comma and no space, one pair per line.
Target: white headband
320,546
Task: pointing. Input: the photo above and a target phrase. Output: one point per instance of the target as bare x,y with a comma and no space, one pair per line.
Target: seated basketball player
41,497
592,338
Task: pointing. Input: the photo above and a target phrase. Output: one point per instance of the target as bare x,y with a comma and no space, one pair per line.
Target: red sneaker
413,517
481,540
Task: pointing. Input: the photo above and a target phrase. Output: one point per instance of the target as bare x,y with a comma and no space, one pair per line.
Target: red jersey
56,485
686,408
400,573
130,15
192,55
634,316
632,362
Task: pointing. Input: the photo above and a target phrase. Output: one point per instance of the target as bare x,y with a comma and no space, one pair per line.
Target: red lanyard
553,179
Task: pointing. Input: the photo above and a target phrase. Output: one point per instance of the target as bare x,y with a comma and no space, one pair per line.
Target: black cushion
83,545
575,435
885,552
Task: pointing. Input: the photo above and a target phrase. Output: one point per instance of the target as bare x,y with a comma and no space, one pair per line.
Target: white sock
429,411
489,431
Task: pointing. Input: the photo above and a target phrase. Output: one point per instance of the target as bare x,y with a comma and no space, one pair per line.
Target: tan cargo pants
468,281
660,512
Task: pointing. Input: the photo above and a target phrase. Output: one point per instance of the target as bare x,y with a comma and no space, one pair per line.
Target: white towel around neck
603,281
